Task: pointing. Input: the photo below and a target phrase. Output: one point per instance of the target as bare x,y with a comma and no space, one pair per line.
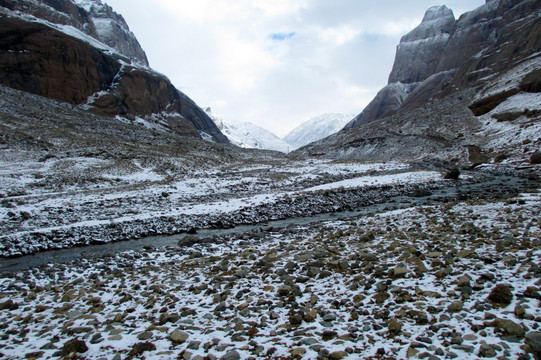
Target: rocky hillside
81,52
457,89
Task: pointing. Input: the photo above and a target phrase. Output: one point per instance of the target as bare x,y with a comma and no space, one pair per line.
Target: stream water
490,187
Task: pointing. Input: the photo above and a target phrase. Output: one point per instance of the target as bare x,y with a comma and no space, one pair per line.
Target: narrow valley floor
457,280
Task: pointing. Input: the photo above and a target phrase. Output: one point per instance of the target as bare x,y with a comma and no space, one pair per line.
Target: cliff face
45,59
463,91
442,55
91,17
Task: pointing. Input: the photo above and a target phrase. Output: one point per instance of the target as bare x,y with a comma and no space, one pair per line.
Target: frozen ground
457,280
61,202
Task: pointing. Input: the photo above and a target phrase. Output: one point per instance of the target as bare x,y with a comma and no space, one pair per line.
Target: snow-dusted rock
248,135
316,128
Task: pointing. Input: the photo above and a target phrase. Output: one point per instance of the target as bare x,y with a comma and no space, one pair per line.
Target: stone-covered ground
458,280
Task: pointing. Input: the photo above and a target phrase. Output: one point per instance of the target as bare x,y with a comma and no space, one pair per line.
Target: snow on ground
419,282
71,194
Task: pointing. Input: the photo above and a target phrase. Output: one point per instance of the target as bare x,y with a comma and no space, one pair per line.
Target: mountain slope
457,92
60,61
316,128
248,135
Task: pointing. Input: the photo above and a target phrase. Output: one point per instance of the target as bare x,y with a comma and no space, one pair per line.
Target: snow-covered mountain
316,128
248,135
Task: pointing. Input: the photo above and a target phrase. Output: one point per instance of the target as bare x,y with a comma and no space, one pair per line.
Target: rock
178,337
328,335
509,327
117,87
338,355
140,348
9,305
73,346
284,290
533,340
145,335
34,355
231,355
455,306
487,351
452,174
394,326
297,352
465,253
310,316
412,352
464,280
457,340
501,295
399,272
535,158
295,319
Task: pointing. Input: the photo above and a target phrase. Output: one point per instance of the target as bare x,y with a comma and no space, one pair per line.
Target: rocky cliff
92,17
462,90
442,55
62,55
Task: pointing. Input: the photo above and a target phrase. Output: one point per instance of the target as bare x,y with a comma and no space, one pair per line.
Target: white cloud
275,62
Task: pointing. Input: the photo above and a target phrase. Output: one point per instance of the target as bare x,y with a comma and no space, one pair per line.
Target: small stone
310,316
284,290
328,335
178,337
501,295
412,352
231,355
487,351
145,335
465,253
298,352
399,272
533,340
295,319
509,327
535,158
464,280
455,306
34,355
394,326
338,355
140,348
9,305
457,340
452,174
74,346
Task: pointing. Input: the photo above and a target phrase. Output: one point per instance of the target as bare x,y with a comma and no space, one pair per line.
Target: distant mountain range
316,128
249,135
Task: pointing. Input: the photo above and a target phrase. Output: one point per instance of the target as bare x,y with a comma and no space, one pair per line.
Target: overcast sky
276,63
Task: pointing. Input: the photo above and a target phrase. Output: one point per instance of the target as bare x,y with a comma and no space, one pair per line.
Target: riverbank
450,280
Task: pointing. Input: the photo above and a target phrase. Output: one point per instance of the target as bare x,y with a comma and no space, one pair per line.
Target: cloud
276,63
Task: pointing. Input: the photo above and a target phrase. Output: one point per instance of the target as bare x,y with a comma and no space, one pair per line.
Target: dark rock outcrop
94,19
442,56
43,60
447,76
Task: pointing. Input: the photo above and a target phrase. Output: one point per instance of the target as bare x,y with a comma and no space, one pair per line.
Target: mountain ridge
61,61
469,71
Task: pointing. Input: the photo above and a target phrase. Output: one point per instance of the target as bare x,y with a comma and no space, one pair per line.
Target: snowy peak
438,20
316,129
248,135
419,51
